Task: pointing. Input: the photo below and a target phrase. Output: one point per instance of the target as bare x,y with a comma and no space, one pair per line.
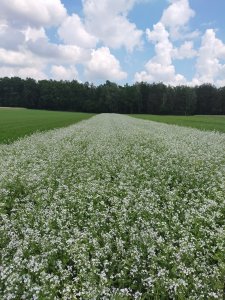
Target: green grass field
210,123
17,123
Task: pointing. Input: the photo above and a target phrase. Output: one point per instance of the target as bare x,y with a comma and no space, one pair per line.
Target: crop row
113,208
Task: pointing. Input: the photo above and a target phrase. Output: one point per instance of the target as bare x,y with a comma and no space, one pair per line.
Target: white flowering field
113,208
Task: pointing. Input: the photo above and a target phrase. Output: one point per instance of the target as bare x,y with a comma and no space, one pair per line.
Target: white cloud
72,31
27,63
24,44
22,58
160,67
23,72
156,72
10,38
107,20
103,65
15,58
58,53
172,24
177,14
63,73
220,83
186,50
163,47
31,73
33,13
116,7
158,33
38,54
26,51
176,18
209,66
34,34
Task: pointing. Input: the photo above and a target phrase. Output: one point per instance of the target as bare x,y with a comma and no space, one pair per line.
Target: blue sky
170,41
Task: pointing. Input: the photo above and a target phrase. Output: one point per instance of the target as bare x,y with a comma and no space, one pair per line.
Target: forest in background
139,98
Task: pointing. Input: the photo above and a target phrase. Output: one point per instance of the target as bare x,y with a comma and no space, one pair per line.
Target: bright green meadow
211,123
17,122
113,208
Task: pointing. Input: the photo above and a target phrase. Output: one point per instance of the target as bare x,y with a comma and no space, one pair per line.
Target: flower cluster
113,208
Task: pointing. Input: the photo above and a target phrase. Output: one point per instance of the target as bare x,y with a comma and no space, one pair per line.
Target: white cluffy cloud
9,37
160,67
23,72
27,52
58,53
72,31
103,65
86,40
176,18
64,73
209,66
186,50
26,49
33,13
108,21
33,34
172,23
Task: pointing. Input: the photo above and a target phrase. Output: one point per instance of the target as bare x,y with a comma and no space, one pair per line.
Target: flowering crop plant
113,208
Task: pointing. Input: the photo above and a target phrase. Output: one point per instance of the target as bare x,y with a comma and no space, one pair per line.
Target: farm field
205,122
113,208
17,122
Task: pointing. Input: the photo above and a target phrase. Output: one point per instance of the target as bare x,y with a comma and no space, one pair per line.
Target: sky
125,41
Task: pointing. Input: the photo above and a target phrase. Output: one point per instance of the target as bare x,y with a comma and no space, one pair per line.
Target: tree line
139,98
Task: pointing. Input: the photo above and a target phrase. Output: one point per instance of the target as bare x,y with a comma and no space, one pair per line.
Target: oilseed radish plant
113,208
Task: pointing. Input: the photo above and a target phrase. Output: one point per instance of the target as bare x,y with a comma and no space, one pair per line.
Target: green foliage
16,123
144,98
211,123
